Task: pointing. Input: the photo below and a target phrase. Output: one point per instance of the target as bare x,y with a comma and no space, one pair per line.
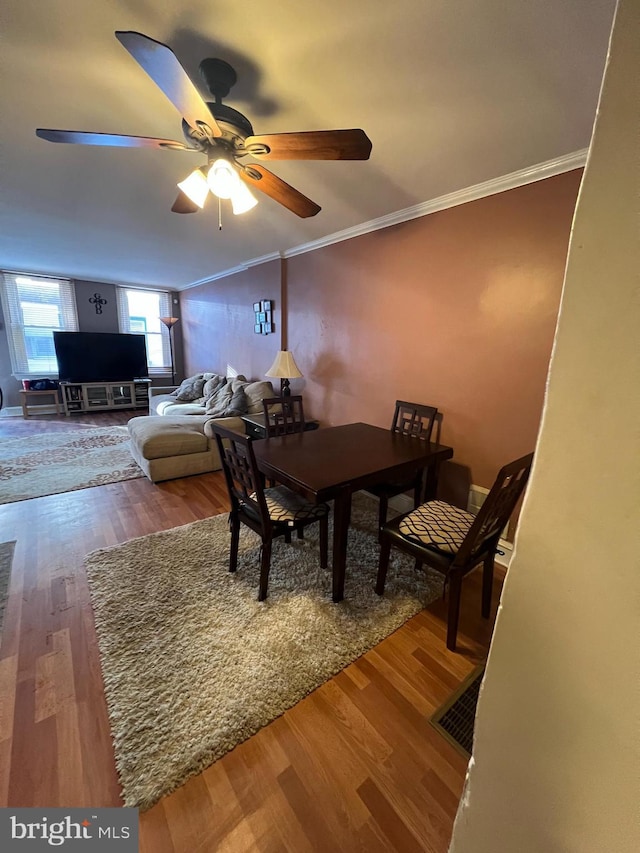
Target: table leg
341,516
431,481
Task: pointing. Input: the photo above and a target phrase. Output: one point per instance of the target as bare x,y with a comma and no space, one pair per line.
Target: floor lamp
170,323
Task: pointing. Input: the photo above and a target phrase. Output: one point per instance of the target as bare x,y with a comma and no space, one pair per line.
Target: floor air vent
455,719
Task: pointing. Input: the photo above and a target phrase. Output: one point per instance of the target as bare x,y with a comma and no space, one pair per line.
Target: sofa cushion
190,389
156,438
167,405
184,409
234,423
256,392
158,402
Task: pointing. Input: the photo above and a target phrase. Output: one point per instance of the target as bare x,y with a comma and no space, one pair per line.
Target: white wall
556,763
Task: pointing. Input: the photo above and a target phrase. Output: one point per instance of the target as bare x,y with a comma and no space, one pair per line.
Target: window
34,307
139,312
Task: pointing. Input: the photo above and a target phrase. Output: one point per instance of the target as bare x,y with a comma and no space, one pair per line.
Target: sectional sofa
173,439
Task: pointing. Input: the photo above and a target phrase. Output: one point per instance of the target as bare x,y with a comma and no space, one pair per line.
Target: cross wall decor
98,301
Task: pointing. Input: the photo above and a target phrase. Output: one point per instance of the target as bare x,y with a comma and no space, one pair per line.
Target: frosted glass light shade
242,199
284,366
222,179
195,187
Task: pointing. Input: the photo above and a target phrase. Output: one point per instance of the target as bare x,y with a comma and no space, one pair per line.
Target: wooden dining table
332,463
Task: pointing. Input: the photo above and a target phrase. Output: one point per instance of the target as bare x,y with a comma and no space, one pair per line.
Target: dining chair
283,415
270,512
409,419
453,541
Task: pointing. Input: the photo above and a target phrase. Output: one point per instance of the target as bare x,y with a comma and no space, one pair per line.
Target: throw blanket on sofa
215,396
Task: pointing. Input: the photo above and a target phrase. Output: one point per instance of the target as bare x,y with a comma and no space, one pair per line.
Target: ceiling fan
222,134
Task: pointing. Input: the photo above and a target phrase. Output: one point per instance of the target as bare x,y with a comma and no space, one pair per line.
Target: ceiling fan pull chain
219,214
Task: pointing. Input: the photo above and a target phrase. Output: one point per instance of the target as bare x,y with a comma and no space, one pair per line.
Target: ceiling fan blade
161,64
183,204
273,186
310,145
81,137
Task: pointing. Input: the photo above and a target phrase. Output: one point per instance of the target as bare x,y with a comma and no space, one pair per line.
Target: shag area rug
53,462
193,664
6,561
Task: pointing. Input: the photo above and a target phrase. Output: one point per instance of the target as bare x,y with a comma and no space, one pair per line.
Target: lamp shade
222,179
284,366
242,199
169,321
195,187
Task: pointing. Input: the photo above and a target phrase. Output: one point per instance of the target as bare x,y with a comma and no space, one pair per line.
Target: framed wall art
263,320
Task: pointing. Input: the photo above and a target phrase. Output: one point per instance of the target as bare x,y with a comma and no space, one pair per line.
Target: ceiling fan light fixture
242,199
195,187
222,179
210,127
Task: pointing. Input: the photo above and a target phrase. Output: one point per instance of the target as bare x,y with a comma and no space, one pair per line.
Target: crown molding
531,174
245,265
496,185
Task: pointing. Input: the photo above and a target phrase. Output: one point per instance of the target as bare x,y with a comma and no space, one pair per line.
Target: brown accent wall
218,320
456,309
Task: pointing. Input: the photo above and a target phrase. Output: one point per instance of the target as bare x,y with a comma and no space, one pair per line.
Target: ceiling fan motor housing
231,121
234,127
219,77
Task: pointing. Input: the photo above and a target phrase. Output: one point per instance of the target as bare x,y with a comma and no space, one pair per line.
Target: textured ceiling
450,94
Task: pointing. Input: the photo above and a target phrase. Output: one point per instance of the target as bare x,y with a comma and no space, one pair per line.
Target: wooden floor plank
398,833
337,768
355,766
264,766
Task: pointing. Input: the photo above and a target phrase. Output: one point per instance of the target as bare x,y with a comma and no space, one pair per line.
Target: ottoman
170,447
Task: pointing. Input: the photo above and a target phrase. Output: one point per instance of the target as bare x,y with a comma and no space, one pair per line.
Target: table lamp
284,368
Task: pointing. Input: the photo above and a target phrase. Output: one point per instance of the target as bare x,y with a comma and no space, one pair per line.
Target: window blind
139,312
34,307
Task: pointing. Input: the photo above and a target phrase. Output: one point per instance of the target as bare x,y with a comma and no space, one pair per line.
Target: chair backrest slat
242,475
414,419
283,415
497,508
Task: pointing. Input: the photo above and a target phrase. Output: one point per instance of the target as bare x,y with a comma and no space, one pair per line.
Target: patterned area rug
53,462
193,664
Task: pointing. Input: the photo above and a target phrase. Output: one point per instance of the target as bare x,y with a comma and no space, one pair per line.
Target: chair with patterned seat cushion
413,419
453,541
269,512
283,416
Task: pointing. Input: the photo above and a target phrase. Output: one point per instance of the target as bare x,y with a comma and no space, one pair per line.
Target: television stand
102,396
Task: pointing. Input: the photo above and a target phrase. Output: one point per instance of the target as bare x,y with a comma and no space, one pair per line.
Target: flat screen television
100,357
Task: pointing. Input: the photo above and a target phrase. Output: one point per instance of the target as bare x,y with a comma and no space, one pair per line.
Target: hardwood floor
355,766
